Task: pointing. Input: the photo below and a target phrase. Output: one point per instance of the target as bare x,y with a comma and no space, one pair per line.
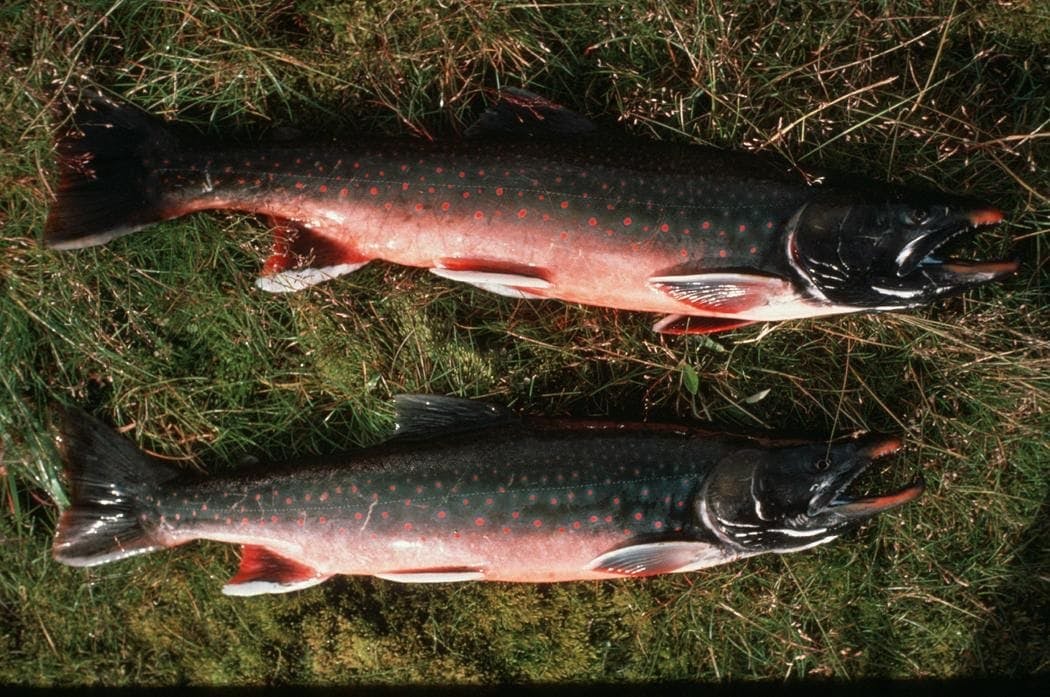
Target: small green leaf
689,378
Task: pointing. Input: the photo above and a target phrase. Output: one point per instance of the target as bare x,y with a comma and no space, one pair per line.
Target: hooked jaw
847,509
949,275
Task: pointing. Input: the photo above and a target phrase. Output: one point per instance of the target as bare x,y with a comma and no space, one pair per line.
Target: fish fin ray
523,114
724,293
422,416
109,478
264,571
652,558
438,575
105,187
302,257
695,324
502,278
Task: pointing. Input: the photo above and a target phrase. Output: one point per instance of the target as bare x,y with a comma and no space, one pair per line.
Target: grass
163,333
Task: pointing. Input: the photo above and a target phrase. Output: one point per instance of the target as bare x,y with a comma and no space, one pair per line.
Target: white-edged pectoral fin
652,558
293,280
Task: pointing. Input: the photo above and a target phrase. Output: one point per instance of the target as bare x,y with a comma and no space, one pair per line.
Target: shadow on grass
1016,640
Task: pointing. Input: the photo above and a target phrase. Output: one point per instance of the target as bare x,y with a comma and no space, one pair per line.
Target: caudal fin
106,185
109,518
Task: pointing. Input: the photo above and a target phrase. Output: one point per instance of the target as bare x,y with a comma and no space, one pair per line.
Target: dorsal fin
523,114
420,416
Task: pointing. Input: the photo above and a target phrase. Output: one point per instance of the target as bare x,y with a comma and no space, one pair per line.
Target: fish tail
110,516
106,152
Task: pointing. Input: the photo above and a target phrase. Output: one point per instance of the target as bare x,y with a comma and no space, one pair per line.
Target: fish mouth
848,509
922,254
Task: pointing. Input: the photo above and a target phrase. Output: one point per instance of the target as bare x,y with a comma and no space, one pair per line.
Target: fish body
493,498
535,205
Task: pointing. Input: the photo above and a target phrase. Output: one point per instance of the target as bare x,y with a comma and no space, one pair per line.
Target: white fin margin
268,587
433,576
506,284
297,279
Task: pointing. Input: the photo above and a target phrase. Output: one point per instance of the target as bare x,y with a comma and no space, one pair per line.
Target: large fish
535,205
465,492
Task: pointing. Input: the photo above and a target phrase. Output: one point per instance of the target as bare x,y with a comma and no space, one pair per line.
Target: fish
536,202
467,491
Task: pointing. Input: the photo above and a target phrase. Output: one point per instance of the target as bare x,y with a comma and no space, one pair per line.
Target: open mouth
922,255
856,509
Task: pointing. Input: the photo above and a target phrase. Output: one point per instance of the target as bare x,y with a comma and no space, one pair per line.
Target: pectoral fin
694,324
724,293
264,571
654,558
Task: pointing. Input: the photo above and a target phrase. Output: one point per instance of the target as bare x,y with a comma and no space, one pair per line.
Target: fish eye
915,216
822,464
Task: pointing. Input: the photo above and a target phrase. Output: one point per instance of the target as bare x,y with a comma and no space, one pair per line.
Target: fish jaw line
854,510
920,253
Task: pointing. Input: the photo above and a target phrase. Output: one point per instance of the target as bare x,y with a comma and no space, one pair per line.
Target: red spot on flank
576,525
769,224
658,525
408,502
374,191
594,519
301,522
404,186
462,174
288,501
419,206
385,514
178,516
442,514
479,522
445,205
610,206
706,225
499,190
608,519
403,168
393,487
204,507
353,488
323,189
455,535
742,228
537,523
722,253
466,194
637,516
683,254
522,213
478,215
323,496
592,221
754,250
307,497
616,500
274,519
665,227
408,526
322,520
488,502
506,531
515,515
554,501
258,497
439,170
466,502
358,515
540,197
339,490
300,185
564,204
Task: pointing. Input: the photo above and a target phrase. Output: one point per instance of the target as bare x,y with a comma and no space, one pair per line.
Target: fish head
882,248
788,499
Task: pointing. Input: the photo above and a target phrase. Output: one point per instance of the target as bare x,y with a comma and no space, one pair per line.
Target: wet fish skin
490,498
711,239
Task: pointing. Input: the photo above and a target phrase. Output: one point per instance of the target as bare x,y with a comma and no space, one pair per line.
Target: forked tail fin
111,482
106,154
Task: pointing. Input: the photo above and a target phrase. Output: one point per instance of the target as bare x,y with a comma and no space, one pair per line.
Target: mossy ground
163,332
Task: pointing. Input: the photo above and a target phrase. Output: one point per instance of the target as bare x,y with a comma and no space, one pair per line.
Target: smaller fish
467,492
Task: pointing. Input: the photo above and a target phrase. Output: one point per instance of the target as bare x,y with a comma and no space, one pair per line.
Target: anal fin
264,571
303,257
438,575
652,558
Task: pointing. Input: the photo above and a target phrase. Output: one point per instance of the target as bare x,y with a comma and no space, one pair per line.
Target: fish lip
919,253
849,509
